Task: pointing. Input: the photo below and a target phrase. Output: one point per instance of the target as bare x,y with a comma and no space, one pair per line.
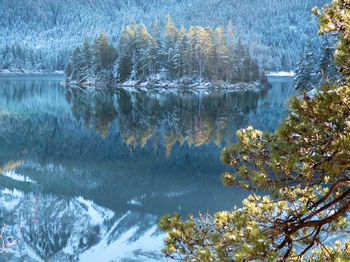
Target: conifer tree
157,50
305,75
76,64
327,63
68,71
183,52
255,71
211,71
221,57
125,50
246,67
191,40
238,59
171,37
87,56
202,49
146,52
105,55
230,36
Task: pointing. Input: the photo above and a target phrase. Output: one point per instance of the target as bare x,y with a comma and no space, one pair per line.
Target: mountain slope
40,34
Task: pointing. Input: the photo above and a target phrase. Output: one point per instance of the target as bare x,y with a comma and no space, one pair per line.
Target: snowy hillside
41,34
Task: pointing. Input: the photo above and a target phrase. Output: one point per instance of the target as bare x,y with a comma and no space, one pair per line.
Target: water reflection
100,168
166,119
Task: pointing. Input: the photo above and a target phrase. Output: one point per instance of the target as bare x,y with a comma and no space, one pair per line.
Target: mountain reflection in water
89,174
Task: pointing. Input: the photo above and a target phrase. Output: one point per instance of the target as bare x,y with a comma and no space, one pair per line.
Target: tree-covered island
168,56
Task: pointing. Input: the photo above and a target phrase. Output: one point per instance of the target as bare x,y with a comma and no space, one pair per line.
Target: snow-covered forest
169,53
313,69
42,34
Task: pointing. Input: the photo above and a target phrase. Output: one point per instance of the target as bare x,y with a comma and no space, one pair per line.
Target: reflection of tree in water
95,110
10,166
103,169
195,119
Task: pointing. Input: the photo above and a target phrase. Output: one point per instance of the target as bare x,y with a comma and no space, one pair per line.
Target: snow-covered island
196,58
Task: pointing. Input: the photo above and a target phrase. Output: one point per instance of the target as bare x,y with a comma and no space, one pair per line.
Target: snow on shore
168,86
281,73
7,72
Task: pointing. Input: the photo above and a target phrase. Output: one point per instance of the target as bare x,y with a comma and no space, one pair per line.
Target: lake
85,176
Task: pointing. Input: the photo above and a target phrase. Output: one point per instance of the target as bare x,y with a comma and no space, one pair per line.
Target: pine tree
105,55
327,63
87,56
125,50
191,40
76,64
305,74
224,55
255,71
246,67
303,168
202,49
157,50
146,46
238,60
171,37
231,36
68,71
212,60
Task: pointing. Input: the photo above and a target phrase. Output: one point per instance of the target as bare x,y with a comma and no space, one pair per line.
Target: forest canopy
41,35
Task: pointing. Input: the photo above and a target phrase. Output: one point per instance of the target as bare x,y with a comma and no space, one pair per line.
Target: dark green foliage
305,74
77,72
92,60
327,65
68,70
87,55
105,55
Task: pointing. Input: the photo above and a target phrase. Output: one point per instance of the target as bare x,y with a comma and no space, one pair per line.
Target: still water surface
87,175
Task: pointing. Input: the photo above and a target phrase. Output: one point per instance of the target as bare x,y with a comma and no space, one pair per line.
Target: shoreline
19,72
174,86
281,73
153,84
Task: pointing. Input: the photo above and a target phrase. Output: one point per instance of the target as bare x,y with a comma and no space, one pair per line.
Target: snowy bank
10,72
281,73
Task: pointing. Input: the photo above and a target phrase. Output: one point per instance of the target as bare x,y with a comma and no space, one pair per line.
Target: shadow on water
107,163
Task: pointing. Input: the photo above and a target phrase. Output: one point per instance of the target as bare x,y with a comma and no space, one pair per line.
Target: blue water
87,175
